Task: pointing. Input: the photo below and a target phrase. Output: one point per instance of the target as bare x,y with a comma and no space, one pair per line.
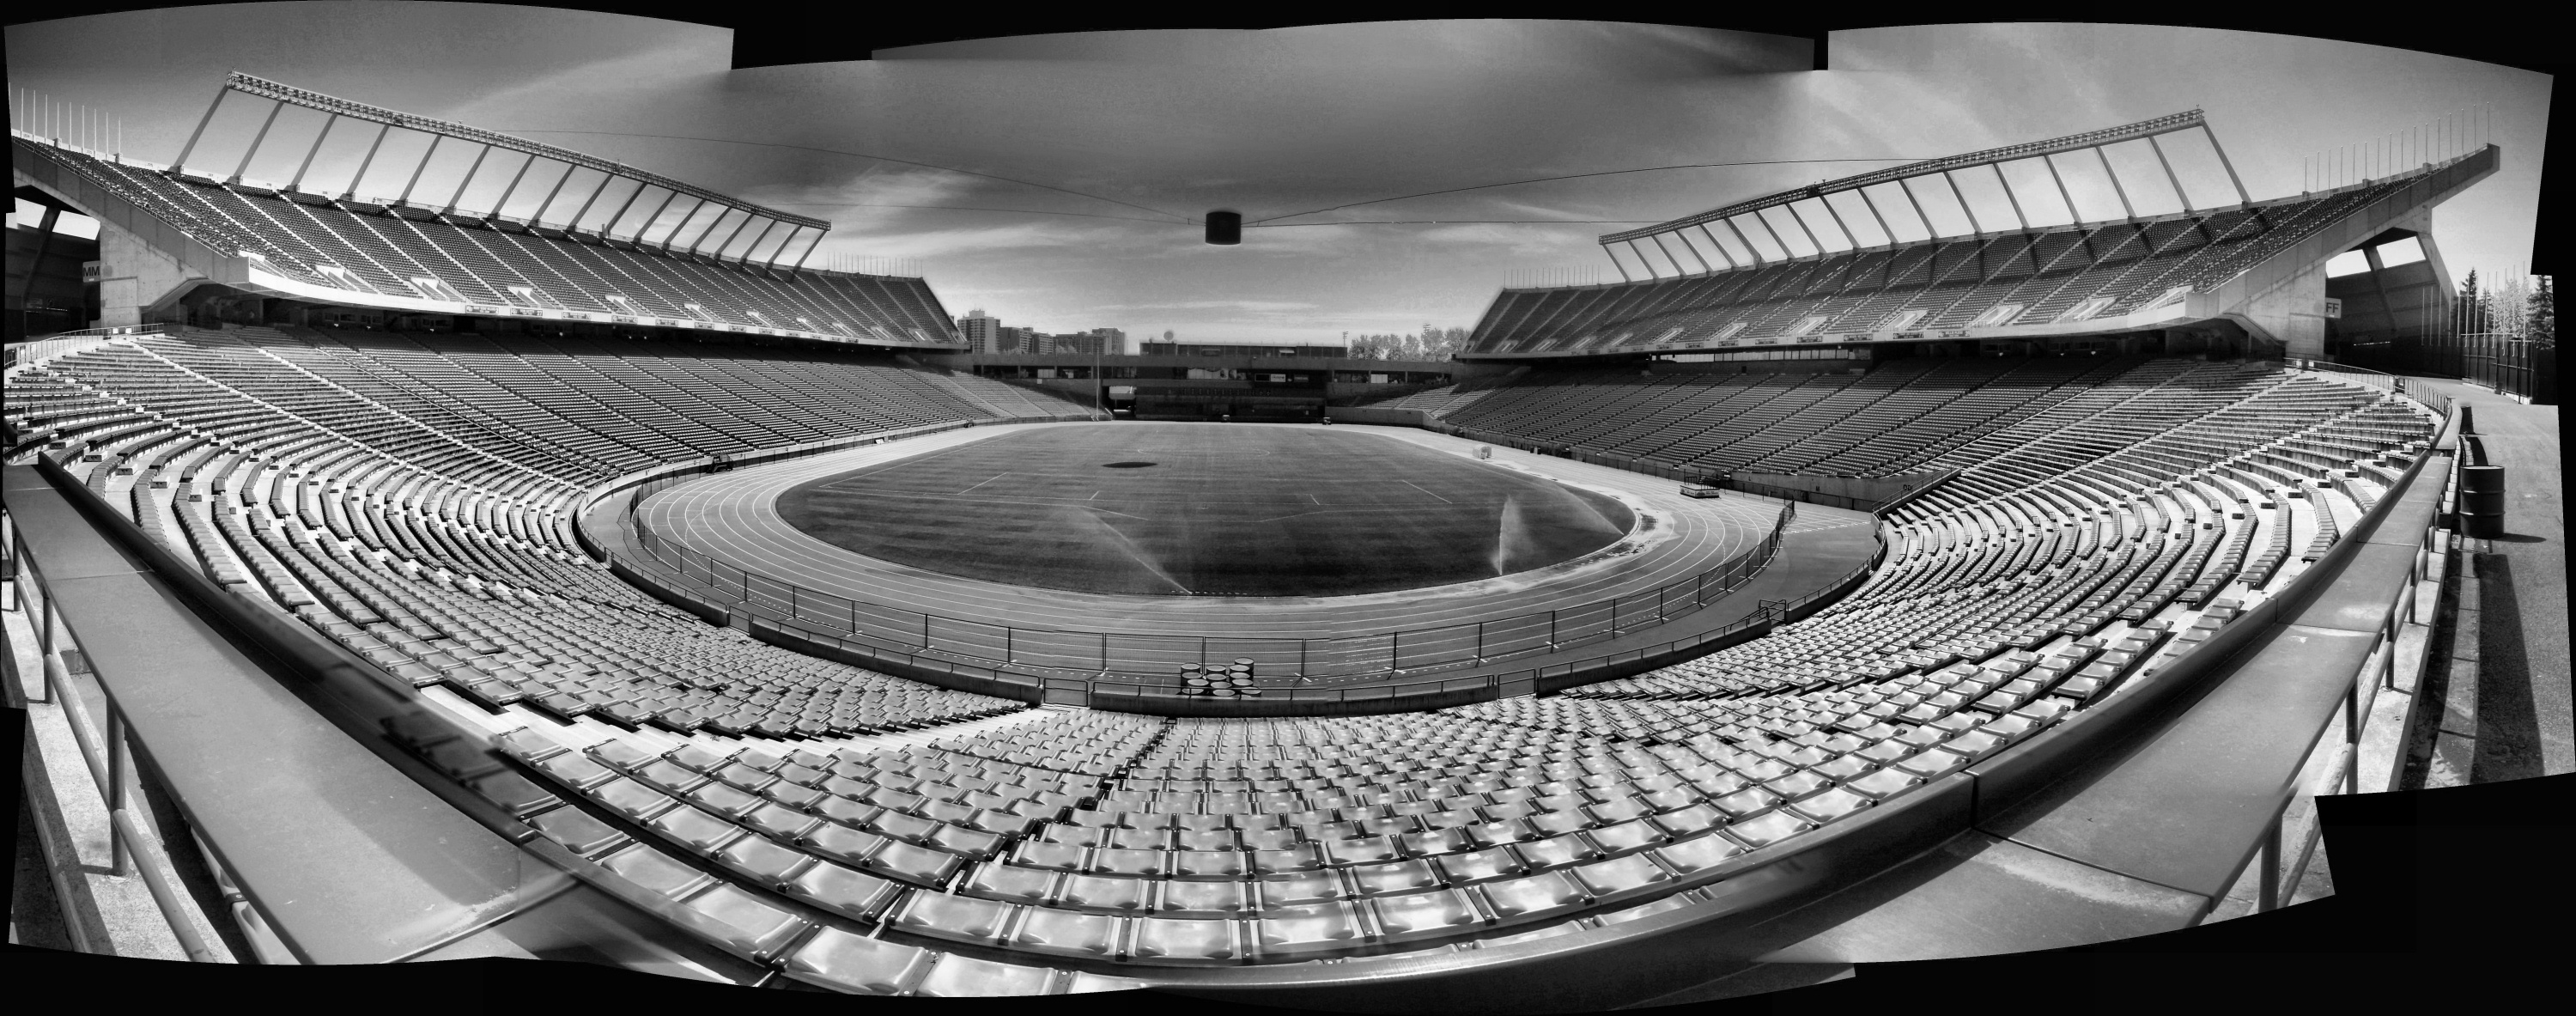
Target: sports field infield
1205,509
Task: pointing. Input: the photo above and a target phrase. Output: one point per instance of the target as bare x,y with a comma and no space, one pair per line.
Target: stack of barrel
1213,680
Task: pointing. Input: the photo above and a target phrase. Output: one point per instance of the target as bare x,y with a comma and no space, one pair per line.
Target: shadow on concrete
2508,723
35,912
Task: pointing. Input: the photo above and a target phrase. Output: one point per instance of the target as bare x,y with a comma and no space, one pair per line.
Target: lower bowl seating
866,833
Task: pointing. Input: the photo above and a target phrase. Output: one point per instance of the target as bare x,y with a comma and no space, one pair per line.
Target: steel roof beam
1721,248
309,153
2018,217
2125,209
2179,194
266,89
477,167
2007,153
2242,197
256,139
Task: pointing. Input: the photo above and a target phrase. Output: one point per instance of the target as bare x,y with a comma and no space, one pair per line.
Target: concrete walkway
2524,724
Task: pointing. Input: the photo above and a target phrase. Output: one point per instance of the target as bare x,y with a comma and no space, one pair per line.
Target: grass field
1211,509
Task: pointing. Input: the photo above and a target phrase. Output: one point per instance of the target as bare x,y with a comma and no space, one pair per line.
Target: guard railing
1129,658
133,850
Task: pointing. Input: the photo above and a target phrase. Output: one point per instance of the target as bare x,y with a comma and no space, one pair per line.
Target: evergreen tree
2540,316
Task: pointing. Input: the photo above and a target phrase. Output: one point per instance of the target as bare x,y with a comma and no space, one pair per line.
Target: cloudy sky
1054,180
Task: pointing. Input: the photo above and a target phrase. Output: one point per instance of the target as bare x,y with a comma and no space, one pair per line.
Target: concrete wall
1855,488
1379,416
2278,300
2292,313
133,276
967,362
1755,366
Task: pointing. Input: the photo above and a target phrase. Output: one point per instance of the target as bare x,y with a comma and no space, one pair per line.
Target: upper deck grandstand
659,254
534,514
2131,274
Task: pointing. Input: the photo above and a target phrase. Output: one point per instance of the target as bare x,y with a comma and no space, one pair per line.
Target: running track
733,517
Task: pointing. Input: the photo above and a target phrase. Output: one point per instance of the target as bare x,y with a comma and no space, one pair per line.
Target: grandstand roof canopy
1815,216
671,213
2081,278
406,258
2086,141
1396,162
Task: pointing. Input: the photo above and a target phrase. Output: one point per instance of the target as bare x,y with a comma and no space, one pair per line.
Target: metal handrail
1021,646
971,640
132,849
1761,620
2379,668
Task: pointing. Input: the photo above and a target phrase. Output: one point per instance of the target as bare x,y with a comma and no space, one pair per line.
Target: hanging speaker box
1224,228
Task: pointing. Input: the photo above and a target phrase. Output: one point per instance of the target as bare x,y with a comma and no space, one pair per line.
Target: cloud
1516,240
979,241
1248,306
878,191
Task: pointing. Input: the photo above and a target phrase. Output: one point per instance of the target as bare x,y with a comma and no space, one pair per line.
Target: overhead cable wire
1456,222
1574,176
964,208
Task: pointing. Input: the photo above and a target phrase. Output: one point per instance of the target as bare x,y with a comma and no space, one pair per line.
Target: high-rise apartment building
983,332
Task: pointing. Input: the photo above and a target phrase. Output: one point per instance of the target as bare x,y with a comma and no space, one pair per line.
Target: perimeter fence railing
2410,387
99,729
1550,675
876,628
59,343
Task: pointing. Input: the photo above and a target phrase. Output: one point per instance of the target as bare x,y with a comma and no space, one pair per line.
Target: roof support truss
2071,214
1721,248
2008,153
372,148
1963,204
441,131
1872,205
680,224
2179,193
477,167
309,153
2009,196
2125,209
2241,196
256,139
1704,266
419,168
1946,168
513,188
1801,220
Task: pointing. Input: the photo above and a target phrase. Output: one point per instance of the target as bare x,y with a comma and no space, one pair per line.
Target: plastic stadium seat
955,918
1172,940
2103,514
856,963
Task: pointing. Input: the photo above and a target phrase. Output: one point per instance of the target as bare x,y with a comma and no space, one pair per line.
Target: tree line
1430,344
2527,307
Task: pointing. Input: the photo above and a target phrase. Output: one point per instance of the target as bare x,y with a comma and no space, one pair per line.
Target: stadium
1976,554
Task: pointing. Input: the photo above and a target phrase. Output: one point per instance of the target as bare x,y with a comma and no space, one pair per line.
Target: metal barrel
2482,501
